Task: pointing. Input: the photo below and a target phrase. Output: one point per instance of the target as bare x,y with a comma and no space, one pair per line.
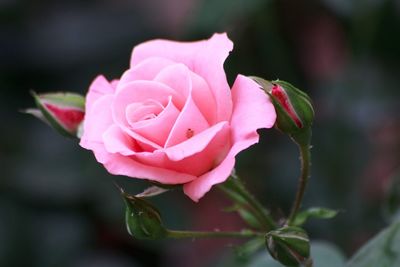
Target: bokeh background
58,207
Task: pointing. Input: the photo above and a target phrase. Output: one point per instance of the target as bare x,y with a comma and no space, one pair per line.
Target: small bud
294,108
143,221
63,111
289,245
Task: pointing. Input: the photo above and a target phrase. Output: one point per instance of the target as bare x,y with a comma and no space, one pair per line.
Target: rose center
143,112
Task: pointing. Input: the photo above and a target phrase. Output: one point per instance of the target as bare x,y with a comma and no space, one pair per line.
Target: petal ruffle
189,123
205,58
99,87
117,141
214,147
122,165
145,70
97,120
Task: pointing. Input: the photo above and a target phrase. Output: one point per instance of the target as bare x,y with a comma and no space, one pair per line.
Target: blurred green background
59,207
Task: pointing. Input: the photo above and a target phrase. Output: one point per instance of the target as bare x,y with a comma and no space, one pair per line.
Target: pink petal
196,189
139,113
97,120
189,123
99,87
204,98
194,163
101,154
122,165
138,92
205,58
145,70
252,110
210,66
158,129
186,82
196,143
177,77
117,141
93,127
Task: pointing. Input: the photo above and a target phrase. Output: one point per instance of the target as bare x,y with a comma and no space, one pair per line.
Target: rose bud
62,111
293,107
289,245
143,221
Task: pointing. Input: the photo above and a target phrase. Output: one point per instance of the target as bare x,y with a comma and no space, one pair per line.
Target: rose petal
189,123
158,129
196,164
99,87
122,165
139,113
177,77
137,92
117,141
100,153
204,98
180,78
196,143
145,70
197,188
206,58
252,110
97,120
210,66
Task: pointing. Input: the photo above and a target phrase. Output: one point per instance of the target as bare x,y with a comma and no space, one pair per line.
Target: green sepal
315,212
151,192
143,220
289,245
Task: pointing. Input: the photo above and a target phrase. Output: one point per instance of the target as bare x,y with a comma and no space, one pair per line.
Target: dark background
58,207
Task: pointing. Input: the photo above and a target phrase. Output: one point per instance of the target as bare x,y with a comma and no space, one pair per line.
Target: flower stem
305,159
235,189
214,234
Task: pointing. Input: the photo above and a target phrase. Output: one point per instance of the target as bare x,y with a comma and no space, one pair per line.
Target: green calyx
302,106
289,245
143,220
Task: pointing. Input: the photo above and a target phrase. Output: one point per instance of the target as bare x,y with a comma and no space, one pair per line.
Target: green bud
62,111
293,107
289,245
143,220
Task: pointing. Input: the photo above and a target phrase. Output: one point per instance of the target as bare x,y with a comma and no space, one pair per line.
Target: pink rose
172,117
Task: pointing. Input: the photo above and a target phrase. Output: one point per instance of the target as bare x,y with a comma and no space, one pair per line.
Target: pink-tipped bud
63,111
280,95
294,110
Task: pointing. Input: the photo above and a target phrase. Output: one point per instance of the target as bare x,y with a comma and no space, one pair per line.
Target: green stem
236,186
305,159
194,234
